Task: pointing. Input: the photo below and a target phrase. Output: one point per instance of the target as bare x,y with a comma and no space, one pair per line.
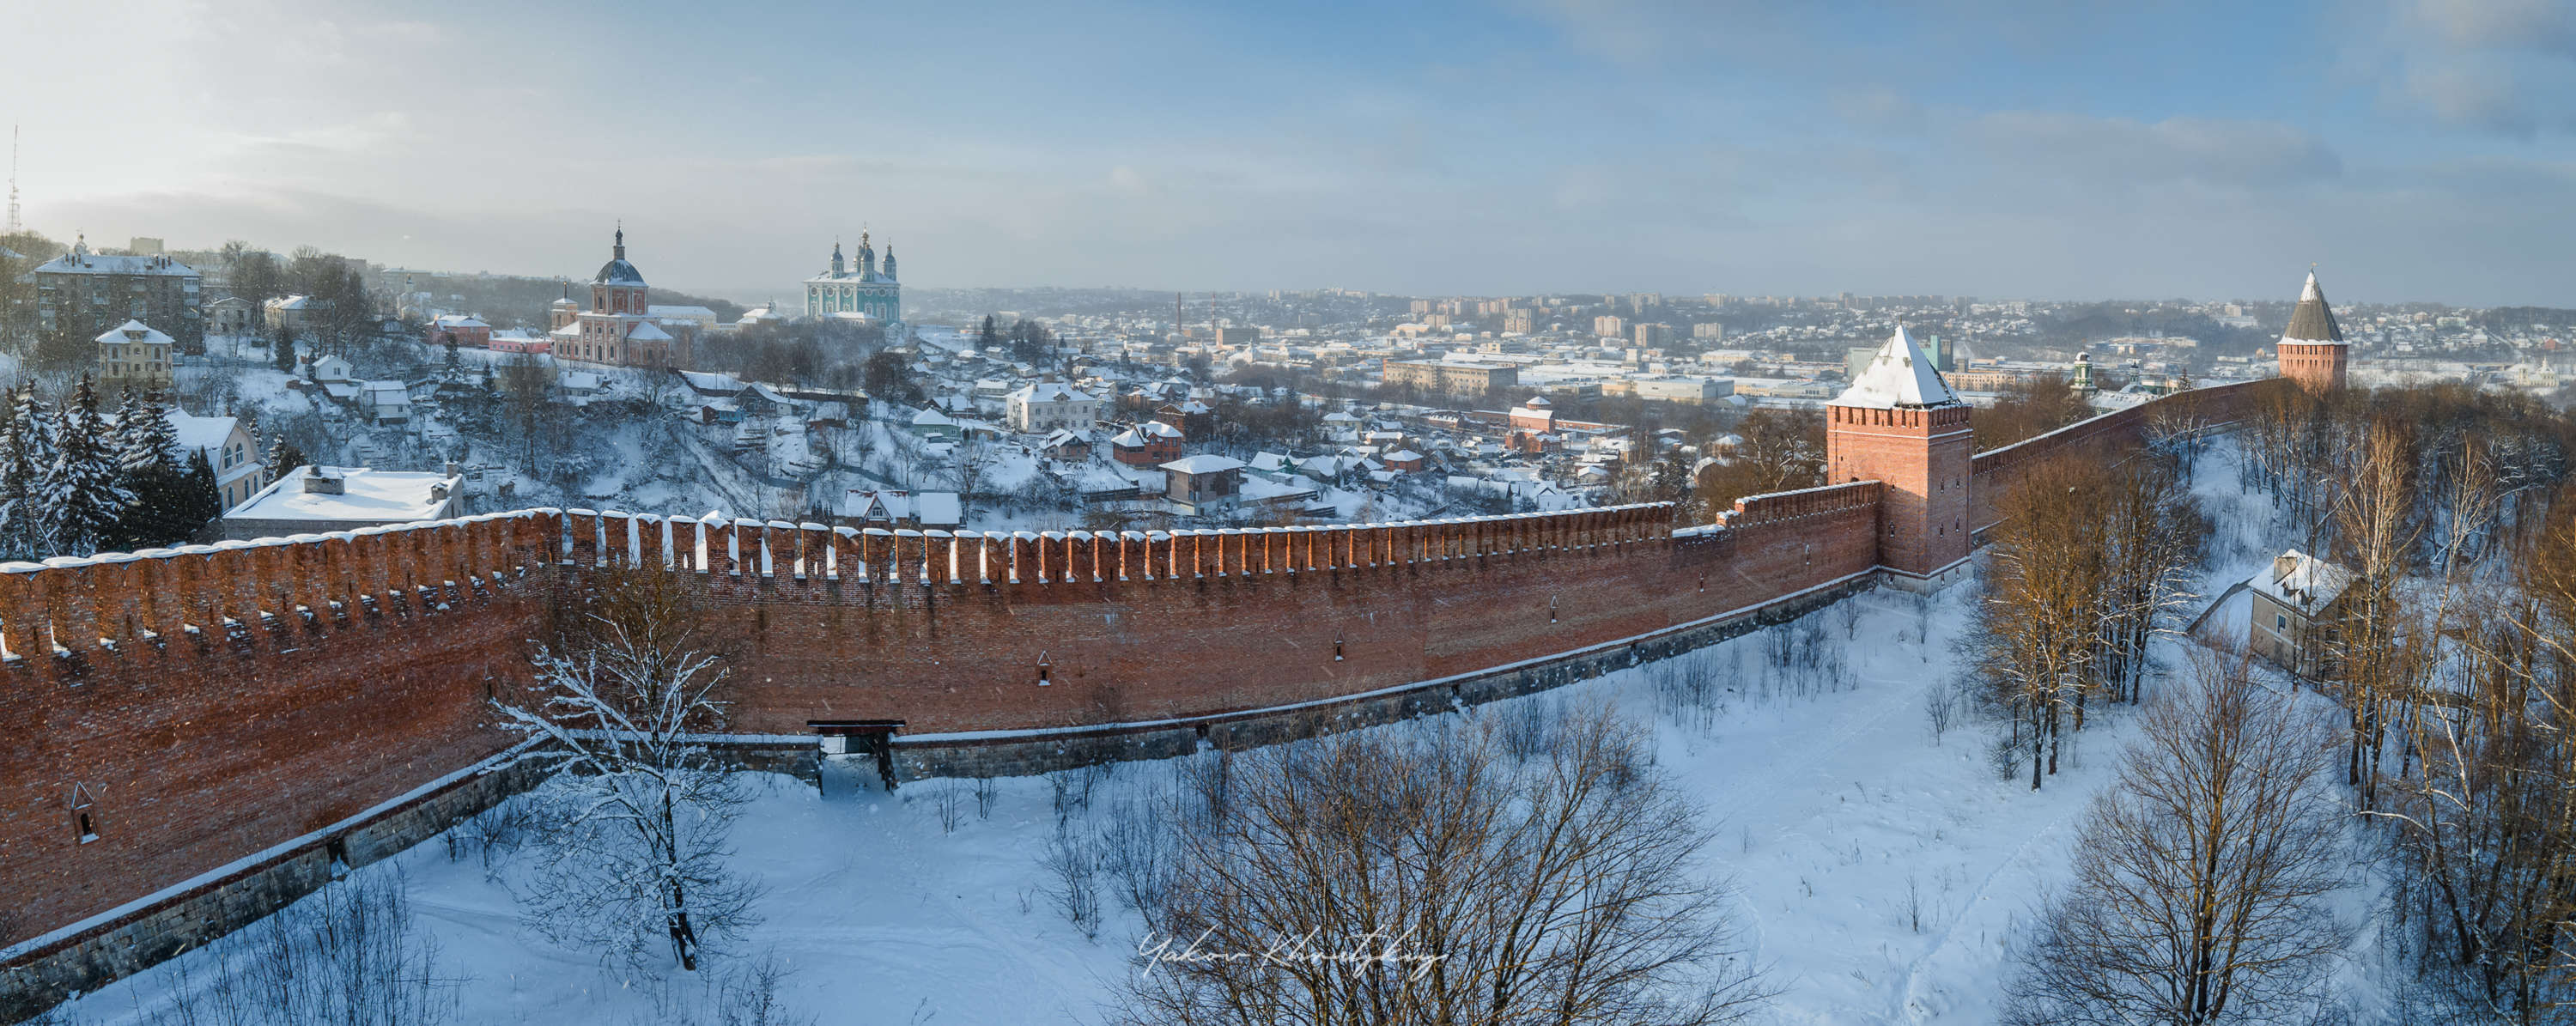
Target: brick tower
2312,349
1899,424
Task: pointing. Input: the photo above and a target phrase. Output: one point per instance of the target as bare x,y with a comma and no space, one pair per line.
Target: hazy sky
2416,149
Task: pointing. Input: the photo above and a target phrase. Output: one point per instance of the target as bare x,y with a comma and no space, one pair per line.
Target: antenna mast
14,224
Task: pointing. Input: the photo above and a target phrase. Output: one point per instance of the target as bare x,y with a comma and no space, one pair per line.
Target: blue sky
2415,149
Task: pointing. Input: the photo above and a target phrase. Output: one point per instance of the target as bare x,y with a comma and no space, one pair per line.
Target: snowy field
1879,872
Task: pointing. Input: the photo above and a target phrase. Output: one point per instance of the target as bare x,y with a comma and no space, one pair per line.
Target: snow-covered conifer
82,498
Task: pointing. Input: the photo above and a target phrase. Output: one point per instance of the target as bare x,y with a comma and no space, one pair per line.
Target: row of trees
80,481
2089,562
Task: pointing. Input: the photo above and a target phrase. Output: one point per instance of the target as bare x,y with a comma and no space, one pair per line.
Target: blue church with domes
857,290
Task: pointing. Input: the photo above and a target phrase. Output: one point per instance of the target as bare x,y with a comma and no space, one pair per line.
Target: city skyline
2418,150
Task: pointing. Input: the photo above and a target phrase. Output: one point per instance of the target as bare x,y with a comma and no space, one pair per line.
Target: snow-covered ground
1880,872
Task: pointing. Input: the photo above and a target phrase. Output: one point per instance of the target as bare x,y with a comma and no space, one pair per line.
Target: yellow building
135,355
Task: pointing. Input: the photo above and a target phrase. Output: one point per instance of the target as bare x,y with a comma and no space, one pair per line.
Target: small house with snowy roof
2298,612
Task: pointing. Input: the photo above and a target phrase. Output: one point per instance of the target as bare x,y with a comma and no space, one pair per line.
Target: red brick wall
218,742
1923,457
222,739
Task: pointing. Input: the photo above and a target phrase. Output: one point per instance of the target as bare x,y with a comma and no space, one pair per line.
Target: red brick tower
1899,424
2312,349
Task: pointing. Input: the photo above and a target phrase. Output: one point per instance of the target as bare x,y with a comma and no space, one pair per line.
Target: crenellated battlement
813,554
203,598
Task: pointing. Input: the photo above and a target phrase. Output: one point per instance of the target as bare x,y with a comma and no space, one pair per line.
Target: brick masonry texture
228,715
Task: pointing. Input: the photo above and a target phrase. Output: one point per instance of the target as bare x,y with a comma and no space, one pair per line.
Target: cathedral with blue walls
858,289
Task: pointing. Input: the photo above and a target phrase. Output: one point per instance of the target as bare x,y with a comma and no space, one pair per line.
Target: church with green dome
857,290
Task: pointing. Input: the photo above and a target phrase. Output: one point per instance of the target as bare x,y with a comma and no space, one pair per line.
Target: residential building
1048,405
1610,326
1203,484
286,313
316,500
1452,378
1151,443
232,315
1522,321
135,355
2297,608
229,450
1710,331
891,508
85,292
1654,335
464,330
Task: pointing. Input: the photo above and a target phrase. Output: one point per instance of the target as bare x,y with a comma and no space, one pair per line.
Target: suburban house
1149,444
937,426
1203,484
228,450
2297,609
893,508
315,500
1048,405
465,330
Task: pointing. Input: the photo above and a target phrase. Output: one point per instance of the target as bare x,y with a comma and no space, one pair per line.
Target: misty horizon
2414,151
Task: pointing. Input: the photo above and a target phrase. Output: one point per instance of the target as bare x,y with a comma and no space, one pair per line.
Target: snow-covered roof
711,382
1203,463
134,333
205,434
81,261
1049,392
693,313
579,381
931,508
1403,456
290,303
1899,376
2302,582
459,321
365,497
932,418
647,331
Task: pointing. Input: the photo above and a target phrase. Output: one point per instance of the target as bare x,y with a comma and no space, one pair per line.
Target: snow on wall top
1900,376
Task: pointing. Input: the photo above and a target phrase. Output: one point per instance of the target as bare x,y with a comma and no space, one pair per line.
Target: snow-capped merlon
2313,323
1899,377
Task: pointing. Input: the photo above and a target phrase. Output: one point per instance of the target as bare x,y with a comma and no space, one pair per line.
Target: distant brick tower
1899,424
2312,349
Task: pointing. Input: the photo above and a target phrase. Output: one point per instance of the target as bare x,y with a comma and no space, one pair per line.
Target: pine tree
159,512
283,344
83,500
284,456
26,452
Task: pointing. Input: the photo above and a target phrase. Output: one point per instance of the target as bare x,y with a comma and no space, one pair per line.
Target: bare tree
1426,876
635,819
2201,879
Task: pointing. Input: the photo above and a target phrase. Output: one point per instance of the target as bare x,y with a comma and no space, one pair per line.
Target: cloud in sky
1980,147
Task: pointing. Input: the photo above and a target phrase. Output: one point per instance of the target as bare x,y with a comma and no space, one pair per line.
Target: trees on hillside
1483,875
2202,878
1777,450
2028,408
2089,563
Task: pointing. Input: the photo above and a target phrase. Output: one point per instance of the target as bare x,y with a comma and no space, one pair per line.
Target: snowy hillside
1880,869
